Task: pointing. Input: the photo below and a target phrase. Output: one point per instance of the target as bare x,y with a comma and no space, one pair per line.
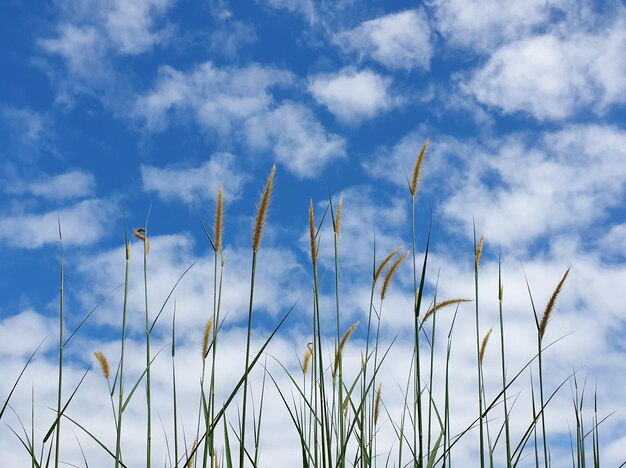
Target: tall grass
337,411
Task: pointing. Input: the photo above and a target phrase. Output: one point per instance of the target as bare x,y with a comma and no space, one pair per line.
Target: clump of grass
337,413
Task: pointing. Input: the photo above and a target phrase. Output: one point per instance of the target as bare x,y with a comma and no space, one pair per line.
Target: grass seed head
483,346
312,234
342,343
479,251
443,304
307,358
219,221
377,404
104,364
206,337
387,281
383,264
550,306
140,233
418,167
262,209
338,217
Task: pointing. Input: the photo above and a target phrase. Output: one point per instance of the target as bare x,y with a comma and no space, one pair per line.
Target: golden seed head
206,336
312,234
219,225
338,217
479,251
383,264
550,306
387,281
307,358
417,168
377,404
441,305
104,364
190,461
483,347
342,343
262,209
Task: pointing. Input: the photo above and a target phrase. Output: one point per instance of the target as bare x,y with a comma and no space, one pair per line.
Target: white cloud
352,95
218,98
32,127
398,40
485,24
553,75
130,25
82,224
238,101
199,182
296,138
72,184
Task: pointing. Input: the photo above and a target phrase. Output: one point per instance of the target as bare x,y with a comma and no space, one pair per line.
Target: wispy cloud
72,184
198,182
397,41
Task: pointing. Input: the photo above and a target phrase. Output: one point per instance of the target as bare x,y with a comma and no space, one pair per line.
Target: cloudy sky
112,106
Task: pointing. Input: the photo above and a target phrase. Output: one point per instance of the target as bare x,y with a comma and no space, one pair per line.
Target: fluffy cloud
553,75
306,8
484,24
398,41
199,182
238,101
296,138
352,95
81,224
218,98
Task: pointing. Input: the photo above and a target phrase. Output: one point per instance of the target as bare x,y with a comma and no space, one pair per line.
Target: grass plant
337,411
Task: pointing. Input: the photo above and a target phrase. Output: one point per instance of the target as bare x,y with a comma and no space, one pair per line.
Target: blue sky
109,105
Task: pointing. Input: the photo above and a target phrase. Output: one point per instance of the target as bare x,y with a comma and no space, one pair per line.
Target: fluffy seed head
307,358
550,306
483,346
262,209
383,264
338,217
377,404
219,225
104,364
443,304
417,168
342,343
390,273
312,234
479,250
208,328
193,447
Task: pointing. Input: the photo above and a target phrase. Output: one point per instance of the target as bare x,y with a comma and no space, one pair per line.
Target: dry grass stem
479,250
383,264
219,222
483,346
390,273
312,234
338,217
442,305
342,343
418,167
208,328
377,404
550,307
104,364
262,209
